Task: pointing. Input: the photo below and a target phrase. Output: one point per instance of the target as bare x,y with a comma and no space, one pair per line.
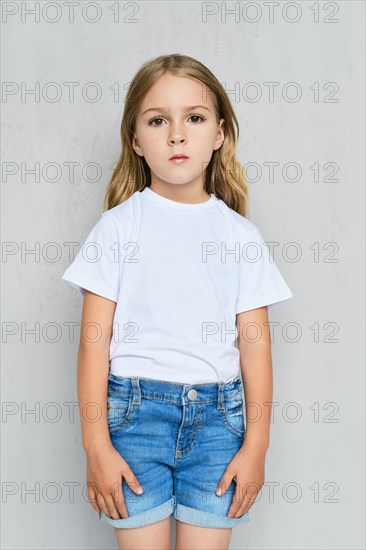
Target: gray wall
314,473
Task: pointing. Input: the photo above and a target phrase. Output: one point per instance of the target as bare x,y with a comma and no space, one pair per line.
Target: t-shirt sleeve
96,267
260,281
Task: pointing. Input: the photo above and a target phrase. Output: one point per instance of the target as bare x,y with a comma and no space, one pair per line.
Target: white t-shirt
179,274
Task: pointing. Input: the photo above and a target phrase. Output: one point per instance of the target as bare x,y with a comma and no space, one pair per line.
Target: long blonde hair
224,175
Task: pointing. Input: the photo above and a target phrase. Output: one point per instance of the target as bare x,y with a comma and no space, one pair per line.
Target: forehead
176,93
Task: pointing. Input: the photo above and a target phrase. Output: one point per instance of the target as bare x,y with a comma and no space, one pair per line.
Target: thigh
151,537
192,537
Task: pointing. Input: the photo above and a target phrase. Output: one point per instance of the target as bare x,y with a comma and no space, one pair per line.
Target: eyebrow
162,109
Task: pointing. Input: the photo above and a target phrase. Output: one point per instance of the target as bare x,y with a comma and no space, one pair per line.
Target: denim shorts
178,440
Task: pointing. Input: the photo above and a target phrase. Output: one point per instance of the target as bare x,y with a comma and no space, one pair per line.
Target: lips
178,157
177,160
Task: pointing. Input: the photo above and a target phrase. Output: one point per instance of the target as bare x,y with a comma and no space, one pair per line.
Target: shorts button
192,394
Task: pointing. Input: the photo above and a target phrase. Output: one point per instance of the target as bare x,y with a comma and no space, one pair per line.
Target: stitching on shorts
178,400
214,400
197,422
119,393
121,379
234,429
128,417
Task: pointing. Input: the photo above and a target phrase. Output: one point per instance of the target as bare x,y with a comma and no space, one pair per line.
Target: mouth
178,159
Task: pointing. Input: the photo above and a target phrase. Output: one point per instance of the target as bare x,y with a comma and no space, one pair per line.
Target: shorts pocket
233,416
120,410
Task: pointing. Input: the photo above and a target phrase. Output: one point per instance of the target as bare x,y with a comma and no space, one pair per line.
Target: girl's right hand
105,469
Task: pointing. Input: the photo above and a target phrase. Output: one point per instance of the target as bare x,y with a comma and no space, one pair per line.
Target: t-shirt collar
153,196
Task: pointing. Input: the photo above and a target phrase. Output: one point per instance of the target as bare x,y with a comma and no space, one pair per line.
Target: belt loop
136,398
221,395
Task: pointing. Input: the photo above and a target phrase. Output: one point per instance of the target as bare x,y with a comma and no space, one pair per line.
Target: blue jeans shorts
178,440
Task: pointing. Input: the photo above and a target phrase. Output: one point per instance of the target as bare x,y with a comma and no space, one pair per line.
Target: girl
176,282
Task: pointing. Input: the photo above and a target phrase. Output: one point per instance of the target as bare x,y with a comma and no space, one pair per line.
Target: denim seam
196,423
234,429
130,413
214,400
120,380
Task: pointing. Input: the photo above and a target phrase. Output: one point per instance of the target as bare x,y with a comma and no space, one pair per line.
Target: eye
198,120
150,123
198,116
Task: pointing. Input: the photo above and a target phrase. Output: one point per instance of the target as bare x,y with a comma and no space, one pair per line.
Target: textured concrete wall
295,74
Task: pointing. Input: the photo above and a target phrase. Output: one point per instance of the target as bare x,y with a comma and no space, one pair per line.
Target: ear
220,135
136,146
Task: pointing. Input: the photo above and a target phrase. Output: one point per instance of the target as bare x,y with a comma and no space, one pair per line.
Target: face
177,117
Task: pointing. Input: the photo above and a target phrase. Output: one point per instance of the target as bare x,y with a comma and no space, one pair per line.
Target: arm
105,466
256,366
93,367
247,466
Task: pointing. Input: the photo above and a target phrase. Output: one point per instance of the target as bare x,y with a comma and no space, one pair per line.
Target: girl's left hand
247,470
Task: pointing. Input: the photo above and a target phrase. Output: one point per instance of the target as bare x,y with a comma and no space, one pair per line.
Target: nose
177,134
176,138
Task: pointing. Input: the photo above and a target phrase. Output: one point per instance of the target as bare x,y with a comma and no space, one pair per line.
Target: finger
119,501
236,503
112,510
224,482
247,502
132,480
243,509
102,504
122,509
92,491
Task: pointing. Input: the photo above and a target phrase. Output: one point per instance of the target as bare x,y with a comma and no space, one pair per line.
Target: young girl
176,282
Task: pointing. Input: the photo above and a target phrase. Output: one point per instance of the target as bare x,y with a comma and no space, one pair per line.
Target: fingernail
219,492
140,490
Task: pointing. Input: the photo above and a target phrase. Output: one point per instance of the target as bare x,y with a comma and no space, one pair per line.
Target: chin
175,181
